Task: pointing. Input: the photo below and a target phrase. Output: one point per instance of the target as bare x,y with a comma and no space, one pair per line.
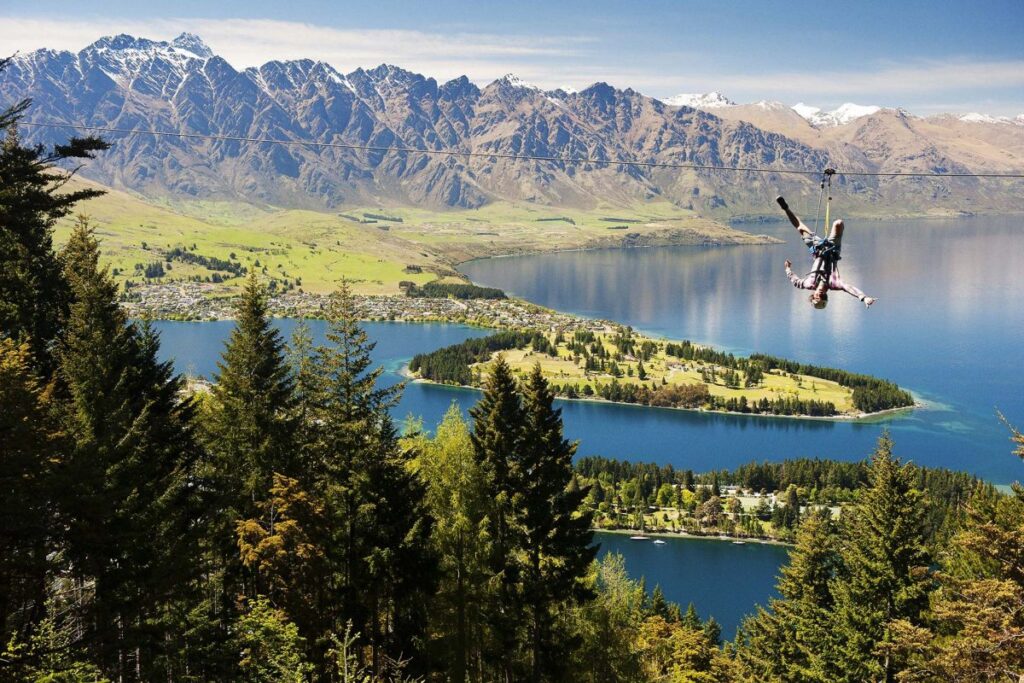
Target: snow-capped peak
190,42
837,117
516,82
709,100
975,117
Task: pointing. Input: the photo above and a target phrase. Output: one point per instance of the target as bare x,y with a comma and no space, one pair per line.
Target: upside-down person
824,275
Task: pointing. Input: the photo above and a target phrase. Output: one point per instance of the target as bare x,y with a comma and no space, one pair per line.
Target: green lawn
318,248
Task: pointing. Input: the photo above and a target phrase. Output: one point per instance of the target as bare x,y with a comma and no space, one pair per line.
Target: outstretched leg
804,231
836,235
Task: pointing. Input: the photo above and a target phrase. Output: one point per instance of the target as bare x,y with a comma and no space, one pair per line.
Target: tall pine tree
126,494
249,427
557,541
33,196
497,427
790,640
885,577
382,566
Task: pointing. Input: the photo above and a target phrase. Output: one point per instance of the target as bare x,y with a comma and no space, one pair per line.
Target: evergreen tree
979,607
497,423
791,639
33,196
125,492
31,447
250,424
379,554
885,577
249,429
558,541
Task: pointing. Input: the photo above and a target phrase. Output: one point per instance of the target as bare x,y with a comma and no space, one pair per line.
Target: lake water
718,577
948,325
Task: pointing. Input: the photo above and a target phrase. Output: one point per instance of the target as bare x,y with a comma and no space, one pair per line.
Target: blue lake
948,325
718,577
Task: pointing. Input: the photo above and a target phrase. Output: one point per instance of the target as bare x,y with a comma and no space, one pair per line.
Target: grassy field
663,369
374,247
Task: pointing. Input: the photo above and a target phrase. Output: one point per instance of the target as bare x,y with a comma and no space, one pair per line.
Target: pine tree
558,543
791,639
31,448
125,496
497,423
33,196
885,577
250,425
979,607
382,565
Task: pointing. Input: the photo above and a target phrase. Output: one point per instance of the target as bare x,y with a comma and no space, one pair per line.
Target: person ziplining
824,275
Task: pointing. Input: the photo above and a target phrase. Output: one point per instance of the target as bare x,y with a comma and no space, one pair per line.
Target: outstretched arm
796,280
853,291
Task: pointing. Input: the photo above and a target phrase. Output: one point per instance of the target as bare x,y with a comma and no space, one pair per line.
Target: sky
926,57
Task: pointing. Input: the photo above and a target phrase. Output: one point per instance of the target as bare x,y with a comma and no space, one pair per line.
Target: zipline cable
504,155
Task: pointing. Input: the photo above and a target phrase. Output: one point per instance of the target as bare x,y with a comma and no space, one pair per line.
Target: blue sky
924,56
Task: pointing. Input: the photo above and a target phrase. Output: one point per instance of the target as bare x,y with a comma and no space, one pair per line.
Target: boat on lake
658,541
739,542
639,538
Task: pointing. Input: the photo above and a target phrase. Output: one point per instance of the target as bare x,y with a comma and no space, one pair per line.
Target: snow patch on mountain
709,100
514,81
837,117
975,117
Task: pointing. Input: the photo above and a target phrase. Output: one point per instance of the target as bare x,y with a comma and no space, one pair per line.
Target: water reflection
947,325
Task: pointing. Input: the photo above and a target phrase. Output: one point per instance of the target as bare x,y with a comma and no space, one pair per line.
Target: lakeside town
195,301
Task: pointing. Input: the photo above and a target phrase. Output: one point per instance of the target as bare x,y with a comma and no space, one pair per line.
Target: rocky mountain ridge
181,86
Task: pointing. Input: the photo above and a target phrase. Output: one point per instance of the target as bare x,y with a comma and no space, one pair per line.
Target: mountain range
182,86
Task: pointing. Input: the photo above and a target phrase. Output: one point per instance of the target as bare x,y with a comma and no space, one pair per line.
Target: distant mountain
837,117
182,86
711,100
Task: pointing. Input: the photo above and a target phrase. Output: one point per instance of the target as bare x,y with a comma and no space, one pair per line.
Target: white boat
739,542
639,538
658,541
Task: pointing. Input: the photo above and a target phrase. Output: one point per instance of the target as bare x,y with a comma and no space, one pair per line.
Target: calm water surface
948,325
718,577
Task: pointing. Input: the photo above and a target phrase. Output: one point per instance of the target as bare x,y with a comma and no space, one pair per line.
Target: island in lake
615,363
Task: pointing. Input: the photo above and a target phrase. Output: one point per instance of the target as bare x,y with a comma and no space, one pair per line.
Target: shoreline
405,372
683,535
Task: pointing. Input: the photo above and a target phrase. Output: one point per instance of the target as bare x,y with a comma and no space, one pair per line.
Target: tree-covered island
618,364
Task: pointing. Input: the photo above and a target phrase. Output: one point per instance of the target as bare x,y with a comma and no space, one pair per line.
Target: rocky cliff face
181,86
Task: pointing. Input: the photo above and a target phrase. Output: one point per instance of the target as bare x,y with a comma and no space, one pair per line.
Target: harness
825,249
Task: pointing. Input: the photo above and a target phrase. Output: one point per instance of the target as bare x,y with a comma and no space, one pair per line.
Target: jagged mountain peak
190,42
186,44
513,81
